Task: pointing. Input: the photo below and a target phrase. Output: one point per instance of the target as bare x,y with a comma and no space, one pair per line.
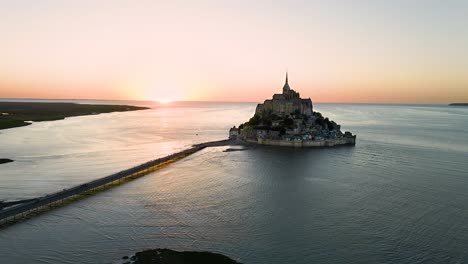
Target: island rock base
349,141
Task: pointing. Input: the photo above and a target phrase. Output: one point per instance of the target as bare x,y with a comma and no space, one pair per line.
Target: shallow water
398,196
53,155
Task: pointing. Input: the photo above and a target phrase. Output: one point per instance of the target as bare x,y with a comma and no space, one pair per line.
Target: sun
165,96
164,101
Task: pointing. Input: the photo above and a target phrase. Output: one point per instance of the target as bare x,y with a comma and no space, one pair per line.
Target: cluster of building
288,118
286,103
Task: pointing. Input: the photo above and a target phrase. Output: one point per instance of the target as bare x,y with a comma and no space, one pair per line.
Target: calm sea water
399,196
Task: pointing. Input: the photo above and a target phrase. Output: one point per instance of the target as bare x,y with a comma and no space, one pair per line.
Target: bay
398,196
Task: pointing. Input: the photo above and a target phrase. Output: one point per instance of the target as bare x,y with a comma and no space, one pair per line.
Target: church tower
286,87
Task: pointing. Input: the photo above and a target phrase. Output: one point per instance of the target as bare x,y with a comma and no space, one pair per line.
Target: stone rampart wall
305,143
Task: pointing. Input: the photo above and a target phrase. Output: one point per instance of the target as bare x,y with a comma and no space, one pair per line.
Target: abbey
286,103
289,120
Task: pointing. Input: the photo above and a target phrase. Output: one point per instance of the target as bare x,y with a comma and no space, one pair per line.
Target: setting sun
163,101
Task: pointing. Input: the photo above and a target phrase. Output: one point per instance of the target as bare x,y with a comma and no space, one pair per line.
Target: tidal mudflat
17,114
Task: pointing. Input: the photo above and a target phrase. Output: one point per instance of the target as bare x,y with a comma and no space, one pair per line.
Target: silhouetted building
289,102
233,132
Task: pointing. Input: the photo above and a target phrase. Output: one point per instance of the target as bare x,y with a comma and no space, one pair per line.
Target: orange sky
216,51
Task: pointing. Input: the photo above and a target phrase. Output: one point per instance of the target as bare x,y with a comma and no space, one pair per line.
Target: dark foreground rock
5,161
167,256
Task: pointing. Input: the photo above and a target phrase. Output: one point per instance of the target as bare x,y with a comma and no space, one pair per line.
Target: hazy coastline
17,114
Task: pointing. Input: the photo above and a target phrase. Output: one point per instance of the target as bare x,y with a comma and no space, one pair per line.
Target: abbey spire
286,87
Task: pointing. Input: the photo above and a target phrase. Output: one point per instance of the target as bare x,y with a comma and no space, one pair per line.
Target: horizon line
214,101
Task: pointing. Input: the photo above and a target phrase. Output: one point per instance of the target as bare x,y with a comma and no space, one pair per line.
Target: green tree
254,121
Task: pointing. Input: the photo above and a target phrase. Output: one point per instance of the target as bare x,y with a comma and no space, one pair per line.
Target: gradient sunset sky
399,51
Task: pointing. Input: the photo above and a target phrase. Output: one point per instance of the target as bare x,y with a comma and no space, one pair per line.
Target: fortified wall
306,144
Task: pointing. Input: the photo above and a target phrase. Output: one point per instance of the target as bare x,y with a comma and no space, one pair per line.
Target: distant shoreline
155,102
18,114
458,104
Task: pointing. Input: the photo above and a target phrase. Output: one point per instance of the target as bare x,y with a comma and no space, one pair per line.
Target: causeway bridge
10,212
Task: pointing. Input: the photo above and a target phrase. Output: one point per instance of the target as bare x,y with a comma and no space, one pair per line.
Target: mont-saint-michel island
289,120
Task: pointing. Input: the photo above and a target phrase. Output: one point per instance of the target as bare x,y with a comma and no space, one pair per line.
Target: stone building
286,103
233,132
